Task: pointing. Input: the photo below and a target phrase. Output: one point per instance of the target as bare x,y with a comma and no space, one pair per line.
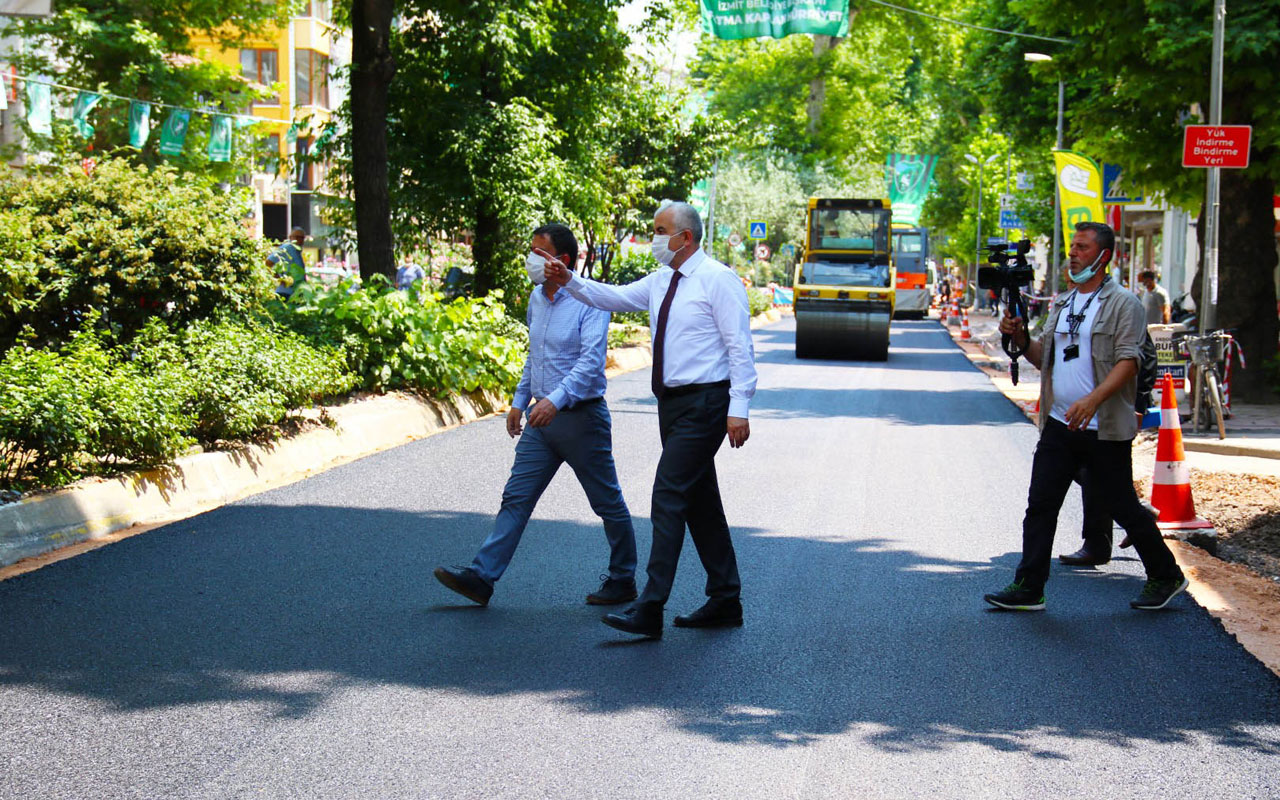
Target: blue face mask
1088,272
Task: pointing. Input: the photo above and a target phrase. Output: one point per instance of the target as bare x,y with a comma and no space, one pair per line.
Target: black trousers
685,492
1096,530
1060,454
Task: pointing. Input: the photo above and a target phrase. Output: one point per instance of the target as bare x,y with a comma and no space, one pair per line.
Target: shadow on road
279,608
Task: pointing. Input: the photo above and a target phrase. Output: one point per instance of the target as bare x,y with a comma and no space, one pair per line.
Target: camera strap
1074,320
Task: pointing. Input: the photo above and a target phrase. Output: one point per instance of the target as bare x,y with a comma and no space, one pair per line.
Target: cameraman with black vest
1088,359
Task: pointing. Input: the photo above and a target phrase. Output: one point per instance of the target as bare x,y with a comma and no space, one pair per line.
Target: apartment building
301,60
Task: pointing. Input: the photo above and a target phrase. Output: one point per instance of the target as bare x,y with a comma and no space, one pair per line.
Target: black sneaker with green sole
1015,597
1156,594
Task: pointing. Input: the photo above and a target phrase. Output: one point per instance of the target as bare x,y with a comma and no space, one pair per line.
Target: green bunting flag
139,123
291,135
85,101
909,178
39,108
220,139
174,133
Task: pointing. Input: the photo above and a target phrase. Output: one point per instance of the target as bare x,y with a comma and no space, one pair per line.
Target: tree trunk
484,243
818,85
372,68
1246,277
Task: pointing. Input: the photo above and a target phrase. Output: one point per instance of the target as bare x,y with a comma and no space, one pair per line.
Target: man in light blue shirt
569,423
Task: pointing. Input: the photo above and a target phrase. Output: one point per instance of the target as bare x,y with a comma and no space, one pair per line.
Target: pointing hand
555,271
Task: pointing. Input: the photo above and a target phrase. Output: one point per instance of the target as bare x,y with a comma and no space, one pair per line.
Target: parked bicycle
1207,352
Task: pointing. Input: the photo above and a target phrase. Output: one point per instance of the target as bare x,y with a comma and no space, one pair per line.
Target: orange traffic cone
964,325
1171,482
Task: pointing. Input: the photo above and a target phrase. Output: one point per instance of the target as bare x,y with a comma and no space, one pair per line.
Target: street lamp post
977,256
1054,254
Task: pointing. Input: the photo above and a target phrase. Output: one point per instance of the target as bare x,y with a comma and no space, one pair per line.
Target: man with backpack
1088,357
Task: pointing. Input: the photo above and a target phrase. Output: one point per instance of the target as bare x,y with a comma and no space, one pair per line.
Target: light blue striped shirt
567,344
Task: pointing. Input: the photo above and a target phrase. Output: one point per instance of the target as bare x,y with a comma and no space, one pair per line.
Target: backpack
1148,374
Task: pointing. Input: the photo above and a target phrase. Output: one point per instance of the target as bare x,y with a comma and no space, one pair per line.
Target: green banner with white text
909,179
754,19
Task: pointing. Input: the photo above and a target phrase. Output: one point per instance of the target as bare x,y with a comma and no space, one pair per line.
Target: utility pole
1208,309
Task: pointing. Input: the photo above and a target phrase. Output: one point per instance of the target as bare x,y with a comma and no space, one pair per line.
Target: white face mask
536,266
1084,275
661,251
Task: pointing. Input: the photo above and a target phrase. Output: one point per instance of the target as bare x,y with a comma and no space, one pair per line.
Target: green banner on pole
174,133
220,139
909,179
85,101
139,123
39,108
754,19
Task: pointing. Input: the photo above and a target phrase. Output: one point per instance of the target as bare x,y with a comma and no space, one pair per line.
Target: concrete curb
95,510
1228,448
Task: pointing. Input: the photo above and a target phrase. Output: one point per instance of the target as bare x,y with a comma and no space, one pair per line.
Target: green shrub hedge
414,340
128,241
69,410
759,300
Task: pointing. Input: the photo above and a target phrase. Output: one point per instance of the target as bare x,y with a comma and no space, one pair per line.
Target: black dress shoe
613,591
465,582
642,619
714,614
1083,558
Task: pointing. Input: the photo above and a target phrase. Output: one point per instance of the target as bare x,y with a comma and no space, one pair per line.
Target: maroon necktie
660,337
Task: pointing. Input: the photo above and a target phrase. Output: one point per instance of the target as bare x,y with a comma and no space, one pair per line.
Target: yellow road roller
844,283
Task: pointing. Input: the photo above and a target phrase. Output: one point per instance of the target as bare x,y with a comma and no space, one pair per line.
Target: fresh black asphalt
295,645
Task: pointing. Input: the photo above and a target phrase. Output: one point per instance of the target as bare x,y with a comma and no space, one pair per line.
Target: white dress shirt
708,326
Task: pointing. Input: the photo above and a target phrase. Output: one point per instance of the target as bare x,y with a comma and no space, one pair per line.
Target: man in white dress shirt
703,376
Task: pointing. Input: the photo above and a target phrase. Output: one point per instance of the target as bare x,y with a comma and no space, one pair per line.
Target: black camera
1008,279
1004,276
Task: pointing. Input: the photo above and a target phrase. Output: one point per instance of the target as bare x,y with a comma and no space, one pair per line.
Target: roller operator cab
914,283
844,284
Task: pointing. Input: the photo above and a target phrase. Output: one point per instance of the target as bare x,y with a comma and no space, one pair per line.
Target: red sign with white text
1224,146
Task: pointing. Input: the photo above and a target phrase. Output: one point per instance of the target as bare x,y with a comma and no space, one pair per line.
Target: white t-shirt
1073,379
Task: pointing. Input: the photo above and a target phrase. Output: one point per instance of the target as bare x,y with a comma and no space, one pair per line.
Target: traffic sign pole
1208,311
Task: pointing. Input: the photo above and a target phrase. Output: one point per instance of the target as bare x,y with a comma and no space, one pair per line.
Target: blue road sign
759,230
1010,220
1114,191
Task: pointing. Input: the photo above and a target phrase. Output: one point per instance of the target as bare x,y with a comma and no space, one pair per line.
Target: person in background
407,273
1155,301
287,264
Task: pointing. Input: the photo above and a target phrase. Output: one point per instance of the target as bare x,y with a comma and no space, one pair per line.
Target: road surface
295,644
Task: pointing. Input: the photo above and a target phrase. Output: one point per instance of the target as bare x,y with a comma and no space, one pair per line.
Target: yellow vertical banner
1079,190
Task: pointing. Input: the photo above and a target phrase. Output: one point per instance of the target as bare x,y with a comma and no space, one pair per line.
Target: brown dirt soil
1245,510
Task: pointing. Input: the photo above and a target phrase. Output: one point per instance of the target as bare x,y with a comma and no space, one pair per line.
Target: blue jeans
582,438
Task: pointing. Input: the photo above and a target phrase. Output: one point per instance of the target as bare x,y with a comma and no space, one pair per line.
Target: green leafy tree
492,102
144,50
1134,76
